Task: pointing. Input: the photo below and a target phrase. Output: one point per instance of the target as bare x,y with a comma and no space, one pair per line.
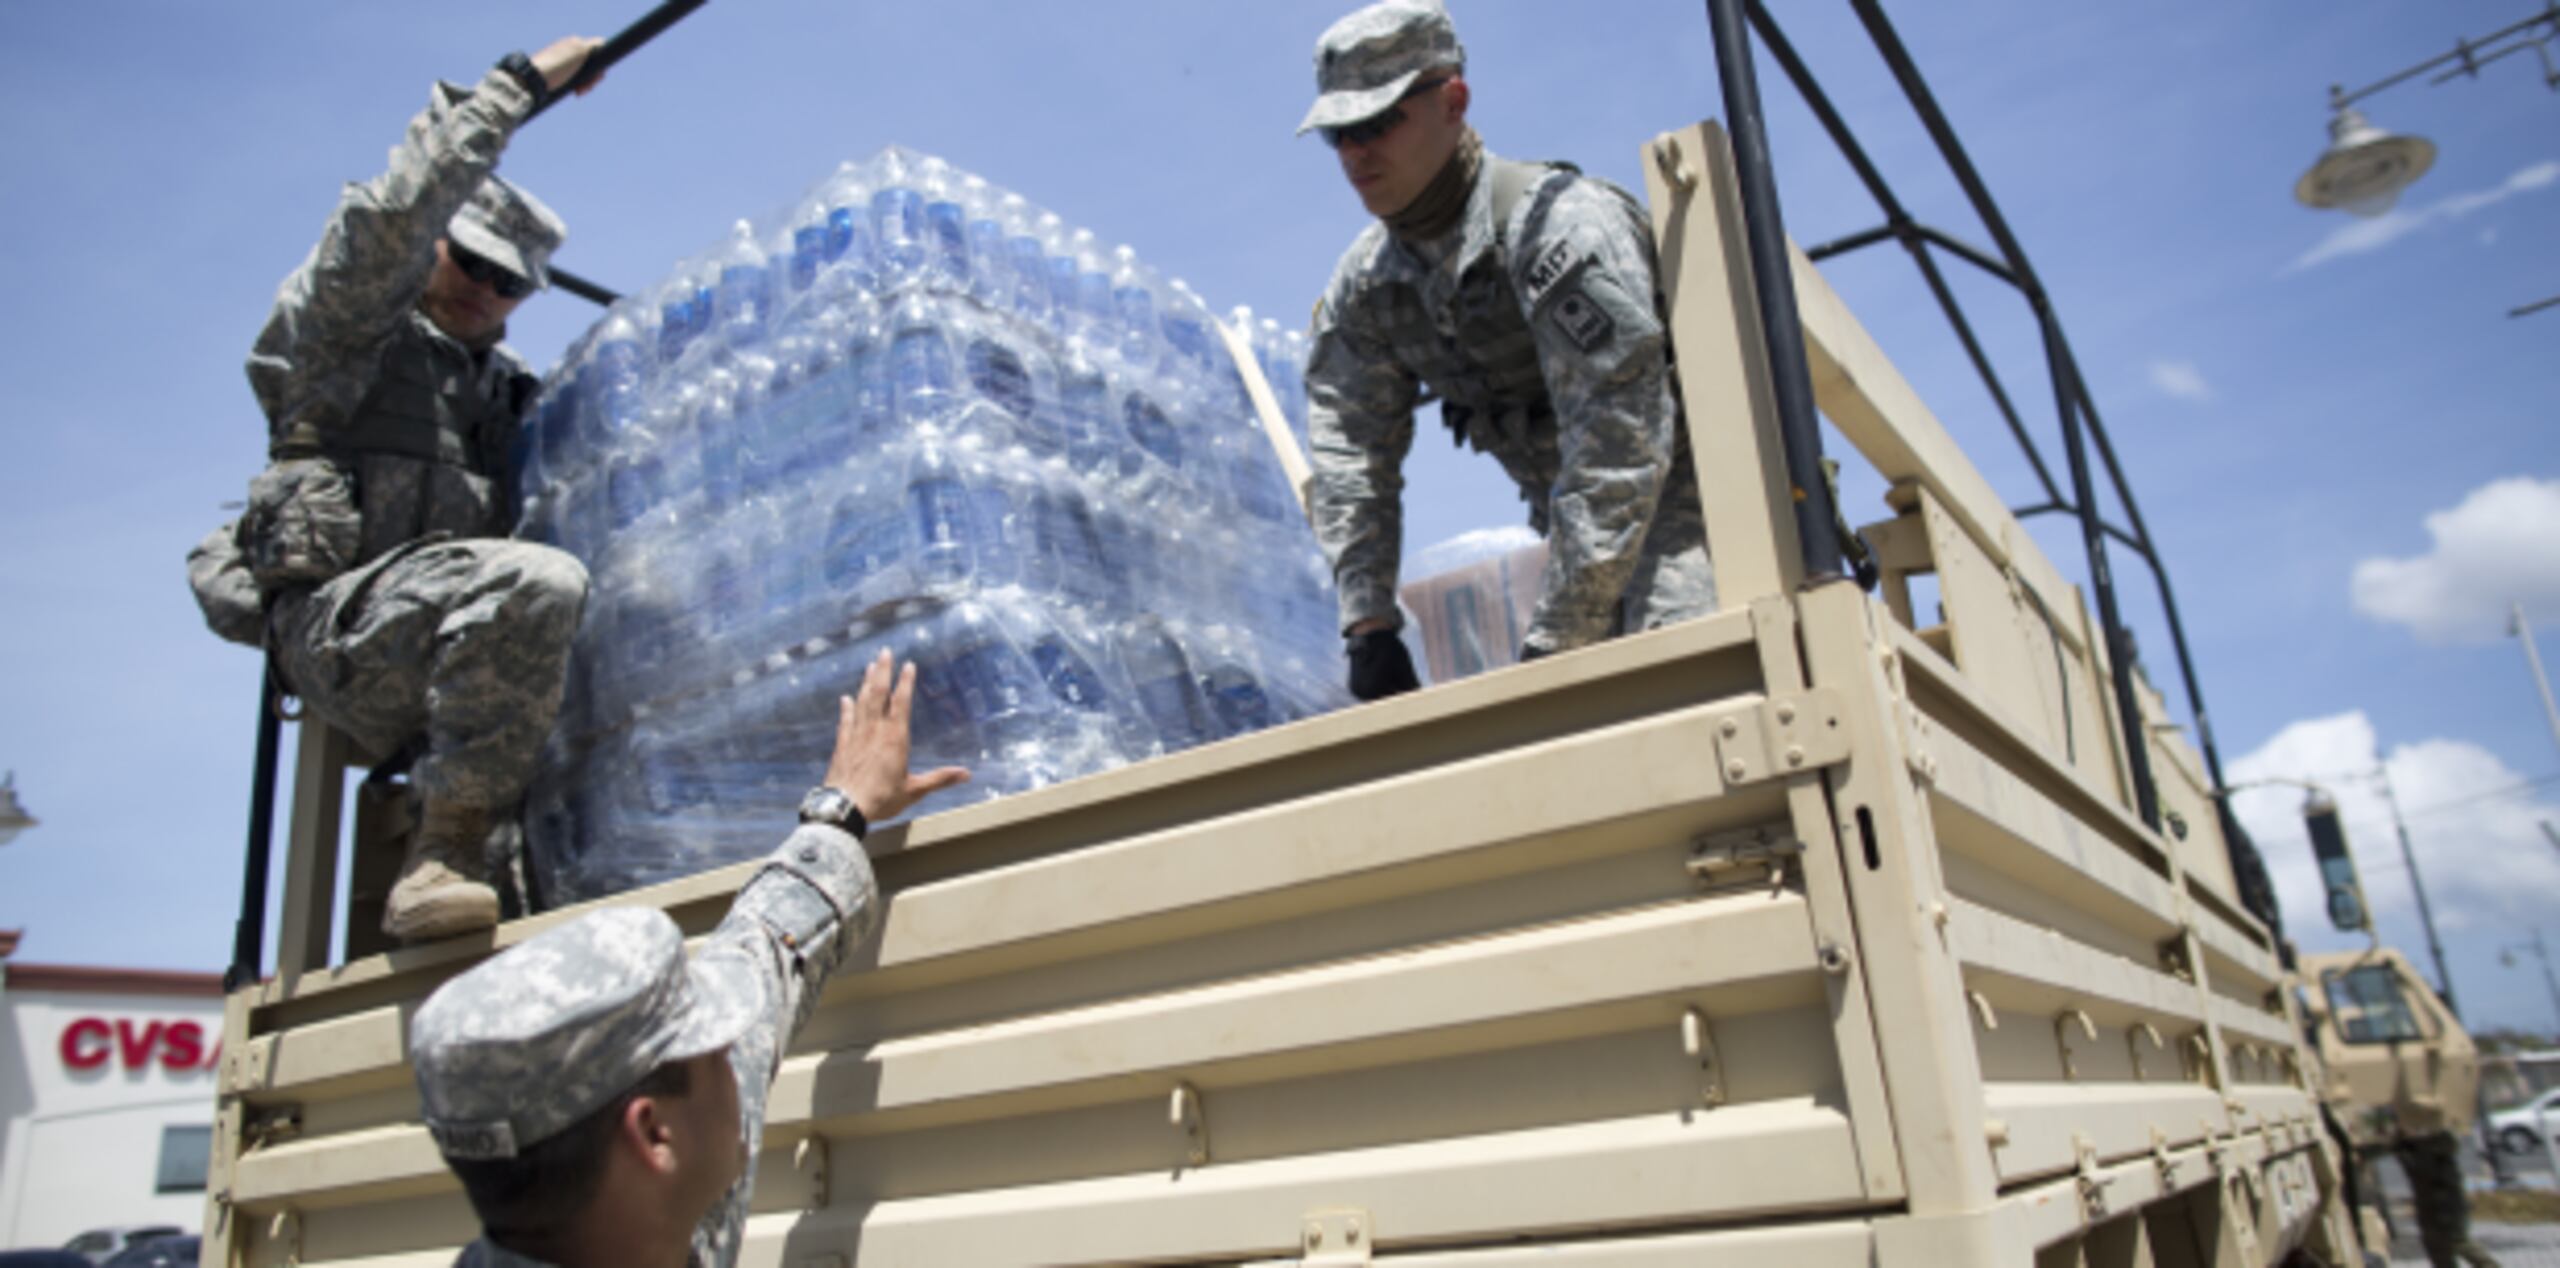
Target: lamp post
2507,958
2319,800
2364,168
14,818
2523,632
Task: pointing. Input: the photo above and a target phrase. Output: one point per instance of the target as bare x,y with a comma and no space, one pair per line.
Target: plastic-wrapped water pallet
1472,599
913,412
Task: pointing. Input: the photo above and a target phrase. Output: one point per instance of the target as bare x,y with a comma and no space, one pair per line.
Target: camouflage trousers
463,642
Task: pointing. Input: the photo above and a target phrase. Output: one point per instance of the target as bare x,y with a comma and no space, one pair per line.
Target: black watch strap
831,806
522,67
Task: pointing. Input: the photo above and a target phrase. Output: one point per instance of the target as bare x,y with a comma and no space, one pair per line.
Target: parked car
2513,1128
163,1252
101,1244
43,1259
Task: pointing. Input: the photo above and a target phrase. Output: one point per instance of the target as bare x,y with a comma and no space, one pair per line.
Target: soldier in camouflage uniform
601,1096
1524,295
392,602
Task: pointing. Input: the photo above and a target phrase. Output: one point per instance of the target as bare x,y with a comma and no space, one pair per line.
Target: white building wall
80,1148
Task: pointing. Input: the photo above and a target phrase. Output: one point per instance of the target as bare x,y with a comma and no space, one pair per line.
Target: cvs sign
135,1043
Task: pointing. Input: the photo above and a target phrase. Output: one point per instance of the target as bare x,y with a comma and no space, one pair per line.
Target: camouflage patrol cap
509,228
1366,61
547,1032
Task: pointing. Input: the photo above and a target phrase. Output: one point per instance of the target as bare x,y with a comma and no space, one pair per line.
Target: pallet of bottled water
912,412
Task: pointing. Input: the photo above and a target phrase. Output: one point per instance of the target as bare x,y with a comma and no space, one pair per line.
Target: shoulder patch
1554,264
1582,320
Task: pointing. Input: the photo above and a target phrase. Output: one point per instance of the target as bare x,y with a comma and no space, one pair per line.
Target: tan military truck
1820,931
2400,1074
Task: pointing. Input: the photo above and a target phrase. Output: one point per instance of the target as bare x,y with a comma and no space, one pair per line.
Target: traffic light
2337,867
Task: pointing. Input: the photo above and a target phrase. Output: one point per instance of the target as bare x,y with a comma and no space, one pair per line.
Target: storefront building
107,1081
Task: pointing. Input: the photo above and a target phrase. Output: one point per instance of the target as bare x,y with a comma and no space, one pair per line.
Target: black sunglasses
1381,123
488,272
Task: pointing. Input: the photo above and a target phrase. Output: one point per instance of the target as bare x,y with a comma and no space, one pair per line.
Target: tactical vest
428,446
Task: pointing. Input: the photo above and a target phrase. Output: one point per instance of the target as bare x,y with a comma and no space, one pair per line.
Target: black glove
1380,667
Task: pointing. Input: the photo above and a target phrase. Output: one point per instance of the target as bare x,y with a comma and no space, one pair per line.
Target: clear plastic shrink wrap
1472,600
914,412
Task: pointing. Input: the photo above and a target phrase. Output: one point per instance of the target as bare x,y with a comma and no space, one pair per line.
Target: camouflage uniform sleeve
1584,271
801,917
314,360
1359,427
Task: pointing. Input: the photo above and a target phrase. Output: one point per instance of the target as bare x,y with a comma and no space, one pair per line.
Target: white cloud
2180,379
2358,236
2499,547
2477,838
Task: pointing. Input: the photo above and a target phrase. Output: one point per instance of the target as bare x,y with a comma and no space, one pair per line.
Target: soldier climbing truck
1837,927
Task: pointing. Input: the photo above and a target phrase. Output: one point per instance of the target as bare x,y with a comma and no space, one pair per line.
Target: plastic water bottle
997,371
743,298
998,688
1167,693
614,379
675,321
990,262
1095,311
1058,262
808,245
850,243
869,407
938,515
1150,430
1133,300
1231,678
997,530
1063,524
946,225
897,220
921,379
1027,262
1084,419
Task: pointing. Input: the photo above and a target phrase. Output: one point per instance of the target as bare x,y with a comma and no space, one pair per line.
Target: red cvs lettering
84,1044
136,1052
183,1047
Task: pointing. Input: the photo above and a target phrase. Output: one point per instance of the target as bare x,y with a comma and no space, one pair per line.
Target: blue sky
2295,395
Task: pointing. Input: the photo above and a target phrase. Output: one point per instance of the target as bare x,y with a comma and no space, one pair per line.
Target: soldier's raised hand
560,61
870,762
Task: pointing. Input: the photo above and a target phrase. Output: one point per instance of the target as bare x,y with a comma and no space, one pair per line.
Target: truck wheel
2518,1141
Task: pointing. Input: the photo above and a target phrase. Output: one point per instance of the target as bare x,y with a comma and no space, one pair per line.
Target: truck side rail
1794,934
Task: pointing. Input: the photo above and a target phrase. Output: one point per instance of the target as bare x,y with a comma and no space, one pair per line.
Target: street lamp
2328,842
2507,959
2365,168
2520,629
14,818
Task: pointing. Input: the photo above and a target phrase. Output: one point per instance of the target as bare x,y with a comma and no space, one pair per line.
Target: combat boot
444,882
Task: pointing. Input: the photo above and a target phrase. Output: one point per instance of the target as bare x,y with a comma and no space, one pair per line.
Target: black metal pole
1898,222
1791,384
2093,539
2249,868
249,936
2067,390
622,45
581,287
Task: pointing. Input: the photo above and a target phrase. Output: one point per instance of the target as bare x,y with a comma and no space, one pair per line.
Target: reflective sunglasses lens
488,272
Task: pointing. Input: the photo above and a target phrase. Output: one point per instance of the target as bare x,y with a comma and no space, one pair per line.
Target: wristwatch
522,67
832,808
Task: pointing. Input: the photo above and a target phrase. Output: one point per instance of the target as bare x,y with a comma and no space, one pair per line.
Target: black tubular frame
2082,429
